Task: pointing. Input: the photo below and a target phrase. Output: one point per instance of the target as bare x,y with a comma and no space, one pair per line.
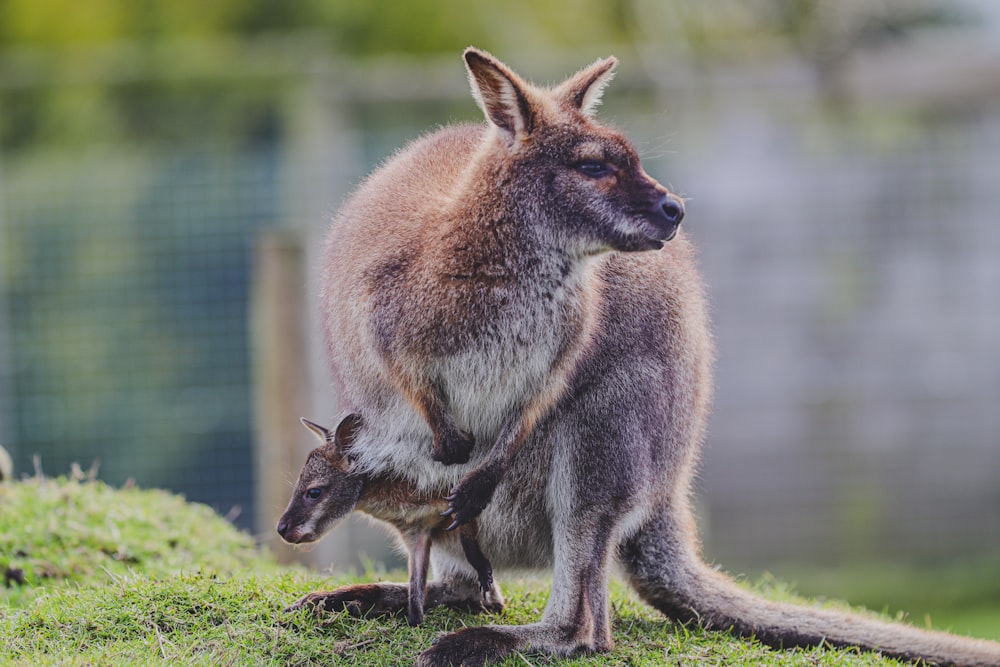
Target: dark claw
468,499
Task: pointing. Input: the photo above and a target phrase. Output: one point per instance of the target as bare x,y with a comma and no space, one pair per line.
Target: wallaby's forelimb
451,444
474,554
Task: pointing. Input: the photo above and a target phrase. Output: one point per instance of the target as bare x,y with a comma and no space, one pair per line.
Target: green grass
960,597
140,577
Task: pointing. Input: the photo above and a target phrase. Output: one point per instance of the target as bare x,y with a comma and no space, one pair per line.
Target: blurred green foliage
371,26
70,70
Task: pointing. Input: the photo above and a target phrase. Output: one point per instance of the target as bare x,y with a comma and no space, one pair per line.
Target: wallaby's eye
314,493
594,168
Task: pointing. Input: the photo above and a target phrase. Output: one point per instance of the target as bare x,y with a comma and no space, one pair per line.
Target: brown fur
478,269
432,280
416,515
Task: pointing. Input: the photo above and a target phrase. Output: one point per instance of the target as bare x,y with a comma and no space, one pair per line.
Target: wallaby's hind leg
576,618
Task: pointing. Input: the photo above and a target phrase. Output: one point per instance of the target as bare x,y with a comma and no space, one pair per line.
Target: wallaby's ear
347,430
324,434
500,93
583,90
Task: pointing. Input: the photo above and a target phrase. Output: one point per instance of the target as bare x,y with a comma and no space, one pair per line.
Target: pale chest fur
488,343
490,368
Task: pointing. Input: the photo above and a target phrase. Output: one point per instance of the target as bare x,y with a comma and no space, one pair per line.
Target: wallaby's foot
465,596
491,643
486,579
452,448
468,499
357,600
388,598
472,647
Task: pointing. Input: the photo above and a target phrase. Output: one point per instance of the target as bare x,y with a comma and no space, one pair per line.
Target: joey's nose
672,209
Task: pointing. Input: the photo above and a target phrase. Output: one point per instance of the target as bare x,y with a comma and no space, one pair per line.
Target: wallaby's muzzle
671,212
673,209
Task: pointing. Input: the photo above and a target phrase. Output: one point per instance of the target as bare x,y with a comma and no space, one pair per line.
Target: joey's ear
500,93
347,430
324,434
583,90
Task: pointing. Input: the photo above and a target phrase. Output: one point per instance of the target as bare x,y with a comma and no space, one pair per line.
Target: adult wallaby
457,276
328,490
471,283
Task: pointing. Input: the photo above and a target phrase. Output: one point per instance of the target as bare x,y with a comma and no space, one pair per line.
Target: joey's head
579,182
326,490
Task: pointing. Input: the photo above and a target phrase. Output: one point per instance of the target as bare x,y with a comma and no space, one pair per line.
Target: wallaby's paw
358,600
471,496
486,579
472,647
453,448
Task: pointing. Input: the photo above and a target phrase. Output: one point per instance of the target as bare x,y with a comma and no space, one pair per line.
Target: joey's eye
594,168
314,493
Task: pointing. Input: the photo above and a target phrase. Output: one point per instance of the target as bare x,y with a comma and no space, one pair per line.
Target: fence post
281,376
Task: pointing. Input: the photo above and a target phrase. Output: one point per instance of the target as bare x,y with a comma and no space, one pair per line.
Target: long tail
664,566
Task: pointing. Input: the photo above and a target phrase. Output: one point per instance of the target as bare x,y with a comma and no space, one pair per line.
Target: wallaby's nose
282,526
673,209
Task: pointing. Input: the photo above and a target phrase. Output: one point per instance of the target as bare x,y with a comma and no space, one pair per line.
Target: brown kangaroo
328,490
484,282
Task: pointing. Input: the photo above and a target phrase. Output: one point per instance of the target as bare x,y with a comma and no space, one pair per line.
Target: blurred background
167,168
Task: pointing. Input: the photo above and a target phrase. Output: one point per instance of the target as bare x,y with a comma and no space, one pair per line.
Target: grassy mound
70,530
107,576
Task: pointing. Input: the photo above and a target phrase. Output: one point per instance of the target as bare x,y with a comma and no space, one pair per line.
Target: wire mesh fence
126,276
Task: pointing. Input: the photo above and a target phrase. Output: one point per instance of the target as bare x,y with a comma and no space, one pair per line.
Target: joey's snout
292,533
286,531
